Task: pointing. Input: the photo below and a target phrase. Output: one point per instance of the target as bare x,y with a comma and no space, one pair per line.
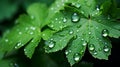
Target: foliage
70,25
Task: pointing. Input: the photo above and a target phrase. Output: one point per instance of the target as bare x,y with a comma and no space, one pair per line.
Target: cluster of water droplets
19,44
13,64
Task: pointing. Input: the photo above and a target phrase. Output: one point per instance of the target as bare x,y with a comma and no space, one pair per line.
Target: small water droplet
64,20
89,33
66,52
76,57
19,44
108,17
84,43
98,7
6,40
91,47
105,33
95,53
20,32
106,49
82,12
33,28
71,32
31,33
32,17
77,5
75,17
51,44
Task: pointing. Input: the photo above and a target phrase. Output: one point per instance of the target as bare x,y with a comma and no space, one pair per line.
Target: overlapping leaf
79,27
27,31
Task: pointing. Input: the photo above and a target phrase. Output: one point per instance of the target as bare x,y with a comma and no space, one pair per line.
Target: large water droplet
75,17
106,49
76,57
71,32
91,47
105,33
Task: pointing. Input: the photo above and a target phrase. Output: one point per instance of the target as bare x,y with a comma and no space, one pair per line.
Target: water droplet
105,33
82,12
108,17
6,40
20,32
106,49
76,57
66,52
19,44
75,17
51,44
95,52
77,5
32,17
33,28
31,33
84,43
64,20
91,47
98,7
71,32
89,33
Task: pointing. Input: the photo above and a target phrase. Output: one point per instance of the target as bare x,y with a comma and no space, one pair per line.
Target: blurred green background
10,11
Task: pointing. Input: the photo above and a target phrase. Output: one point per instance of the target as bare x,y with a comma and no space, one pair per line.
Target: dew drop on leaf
75,17
95,53
105,33
31,33
84,43
76,57
98,7
20,32
6,40
91,47
77,5
32,17
106,49
18,45
66,52
51,44
64,20
71,32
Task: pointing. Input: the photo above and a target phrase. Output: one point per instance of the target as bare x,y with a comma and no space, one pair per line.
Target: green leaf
27,31
82,27
47,33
